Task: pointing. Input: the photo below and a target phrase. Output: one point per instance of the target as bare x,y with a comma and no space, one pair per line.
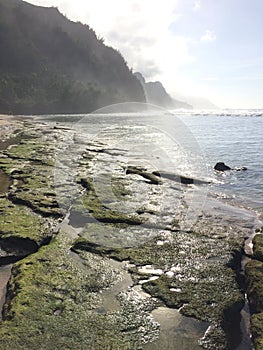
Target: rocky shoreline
64,230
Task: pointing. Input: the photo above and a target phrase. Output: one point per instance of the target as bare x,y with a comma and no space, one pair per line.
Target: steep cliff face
155,93
51,64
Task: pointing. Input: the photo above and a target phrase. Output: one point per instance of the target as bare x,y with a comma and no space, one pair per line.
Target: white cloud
197,5
208,36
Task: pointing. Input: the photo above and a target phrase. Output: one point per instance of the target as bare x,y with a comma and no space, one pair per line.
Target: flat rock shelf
99,259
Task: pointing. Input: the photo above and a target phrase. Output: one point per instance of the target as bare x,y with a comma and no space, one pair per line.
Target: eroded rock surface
121,211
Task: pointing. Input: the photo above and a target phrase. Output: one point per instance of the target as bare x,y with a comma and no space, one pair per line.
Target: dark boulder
243,168
221,167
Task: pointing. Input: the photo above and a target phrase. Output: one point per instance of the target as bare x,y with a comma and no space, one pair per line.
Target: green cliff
49,64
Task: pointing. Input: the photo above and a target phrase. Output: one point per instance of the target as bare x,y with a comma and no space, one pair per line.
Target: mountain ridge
156,93
49,64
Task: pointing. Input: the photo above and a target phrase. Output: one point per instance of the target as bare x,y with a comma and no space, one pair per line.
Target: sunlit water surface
189,143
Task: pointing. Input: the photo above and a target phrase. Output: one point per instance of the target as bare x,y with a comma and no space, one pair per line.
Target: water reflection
177,332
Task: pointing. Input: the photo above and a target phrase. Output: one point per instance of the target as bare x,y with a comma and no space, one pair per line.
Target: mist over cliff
49,64
156,94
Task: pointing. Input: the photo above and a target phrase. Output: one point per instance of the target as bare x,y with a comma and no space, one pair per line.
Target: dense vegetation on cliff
49,64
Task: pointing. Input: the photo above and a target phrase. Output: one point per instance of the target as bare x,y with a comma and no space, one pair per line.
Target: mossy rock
20,223
34,143
256,327
52,301
205,298
180,249
8,165
202,282
50,293
258,247
30,165
254,276
43,304
139,255
119,189
90,207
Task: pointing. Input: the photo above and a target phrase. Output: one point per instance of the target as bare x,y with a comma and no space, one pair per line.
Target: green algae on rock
254,280
256,325
58,290
51,293
187,272
19,227
33,187
30,165
35,151
258,246
254,277
90,207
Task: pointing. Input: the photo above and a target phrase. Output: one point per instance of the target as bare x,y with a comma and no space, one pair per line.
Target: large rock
220,166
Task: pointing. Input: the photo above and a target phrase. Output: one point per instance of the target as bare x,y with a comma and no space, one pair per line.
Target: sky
207,48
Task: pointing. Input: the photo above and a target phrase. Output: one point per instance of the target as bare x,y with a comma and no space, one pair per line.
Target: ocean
188,143
236,138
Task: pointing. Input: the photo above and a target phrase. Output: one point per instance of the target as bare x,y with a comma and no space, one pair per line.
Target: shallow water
177,332
109,302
